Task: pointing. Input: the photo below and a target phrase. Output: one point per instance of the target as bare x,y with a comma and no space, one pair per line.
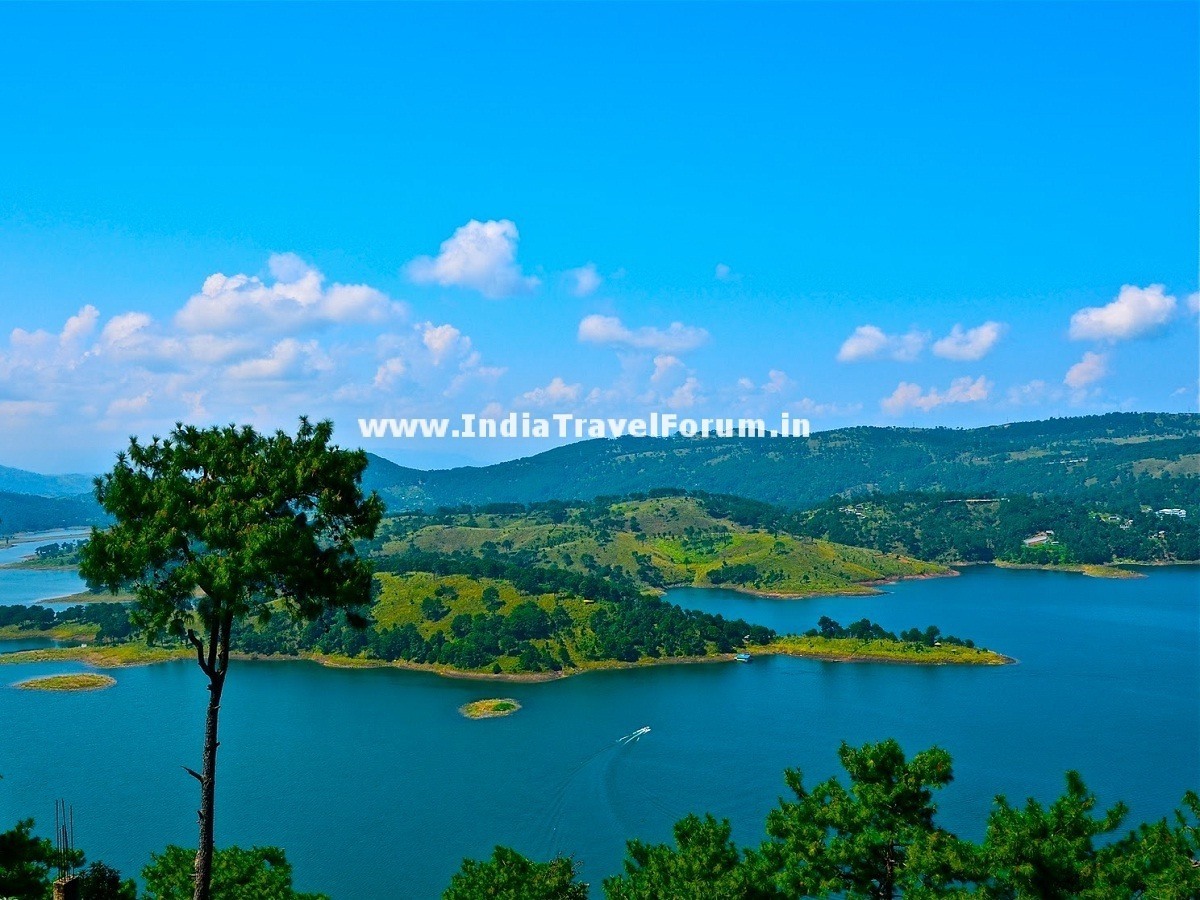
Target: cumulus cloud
341,348
1091,368
1136,311
80,326
970,344
686,395
584,281
872,342
126,332
664,366
557,391
480,256
441,340
724,273
911,396
777,382
389,372
287,359
295,298
676,338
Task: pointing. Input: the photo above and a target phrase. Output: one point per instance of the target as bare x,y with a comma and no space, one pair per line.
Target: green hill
1125,458
657,542
30,512
953,528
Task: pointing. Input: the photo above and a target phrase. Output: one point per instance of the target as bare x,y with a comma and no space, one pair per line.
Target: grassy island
489,709
856,650
84,681
1089,569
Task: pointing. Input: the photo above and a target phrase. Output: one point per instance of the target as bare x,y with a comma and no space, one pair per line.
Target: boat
743,657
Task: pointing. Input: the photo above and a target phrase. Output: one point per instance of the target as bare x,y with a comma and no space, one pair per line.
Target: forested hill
1121,458
29,512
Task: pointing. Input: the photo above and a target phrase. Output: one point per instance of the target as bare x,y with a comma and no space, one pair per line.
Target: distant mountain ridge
33,502
19,481
1121,458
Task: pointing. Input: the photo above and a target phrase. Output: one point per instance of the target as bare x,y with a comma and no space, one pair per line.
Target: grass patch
672,541
1090,569
113,657
489,709
68,631
87,681
853,650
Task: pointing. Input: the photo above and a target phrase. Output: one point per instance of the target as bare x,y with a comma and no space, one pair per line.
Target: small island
84,681
489,709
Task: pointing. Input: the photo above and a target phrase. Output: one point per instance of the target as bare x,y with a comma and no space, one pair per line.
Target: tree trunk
208,783
215,667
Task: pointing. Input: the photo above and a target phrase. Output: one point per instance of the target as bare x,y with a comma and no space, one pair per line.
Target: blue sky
931,214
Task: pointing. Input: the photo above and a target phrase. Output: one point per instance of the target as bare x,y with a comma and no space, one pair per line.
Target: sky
950,214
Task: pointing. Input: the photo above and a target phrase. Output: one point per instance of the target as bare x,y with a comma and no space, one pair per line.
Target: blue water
377,787
21,587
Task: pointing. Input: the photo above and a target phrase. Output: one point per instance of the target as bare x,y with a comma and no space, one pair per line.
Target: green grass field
673,541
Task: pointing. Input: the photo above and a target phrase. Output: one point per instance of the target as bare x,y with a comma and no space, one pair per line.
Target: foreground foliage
875,837
260,873
28,865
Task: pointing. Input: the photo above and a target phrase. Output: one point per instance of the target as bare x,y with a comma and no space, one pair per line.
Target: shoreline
870,587
120,656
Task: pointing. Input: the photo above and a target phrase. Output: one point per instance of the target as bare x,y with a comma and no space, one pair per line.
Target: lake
25,586
376,786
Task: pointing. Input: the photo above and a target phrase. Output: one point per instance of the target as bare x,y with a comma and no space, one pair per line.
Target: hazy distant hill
1122,458
18,481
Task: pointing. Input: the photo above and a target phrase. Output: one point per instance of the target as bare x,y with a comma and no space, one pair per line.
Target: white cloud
686,395
557,391
126,332
1193,303
297,298
1135,312
287,359
80,326
777,382
389,372
124,406
664,366
441,340
972,344
962,390
134,371
872,342
584,281
1091,368
725,273
480,256
676,338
